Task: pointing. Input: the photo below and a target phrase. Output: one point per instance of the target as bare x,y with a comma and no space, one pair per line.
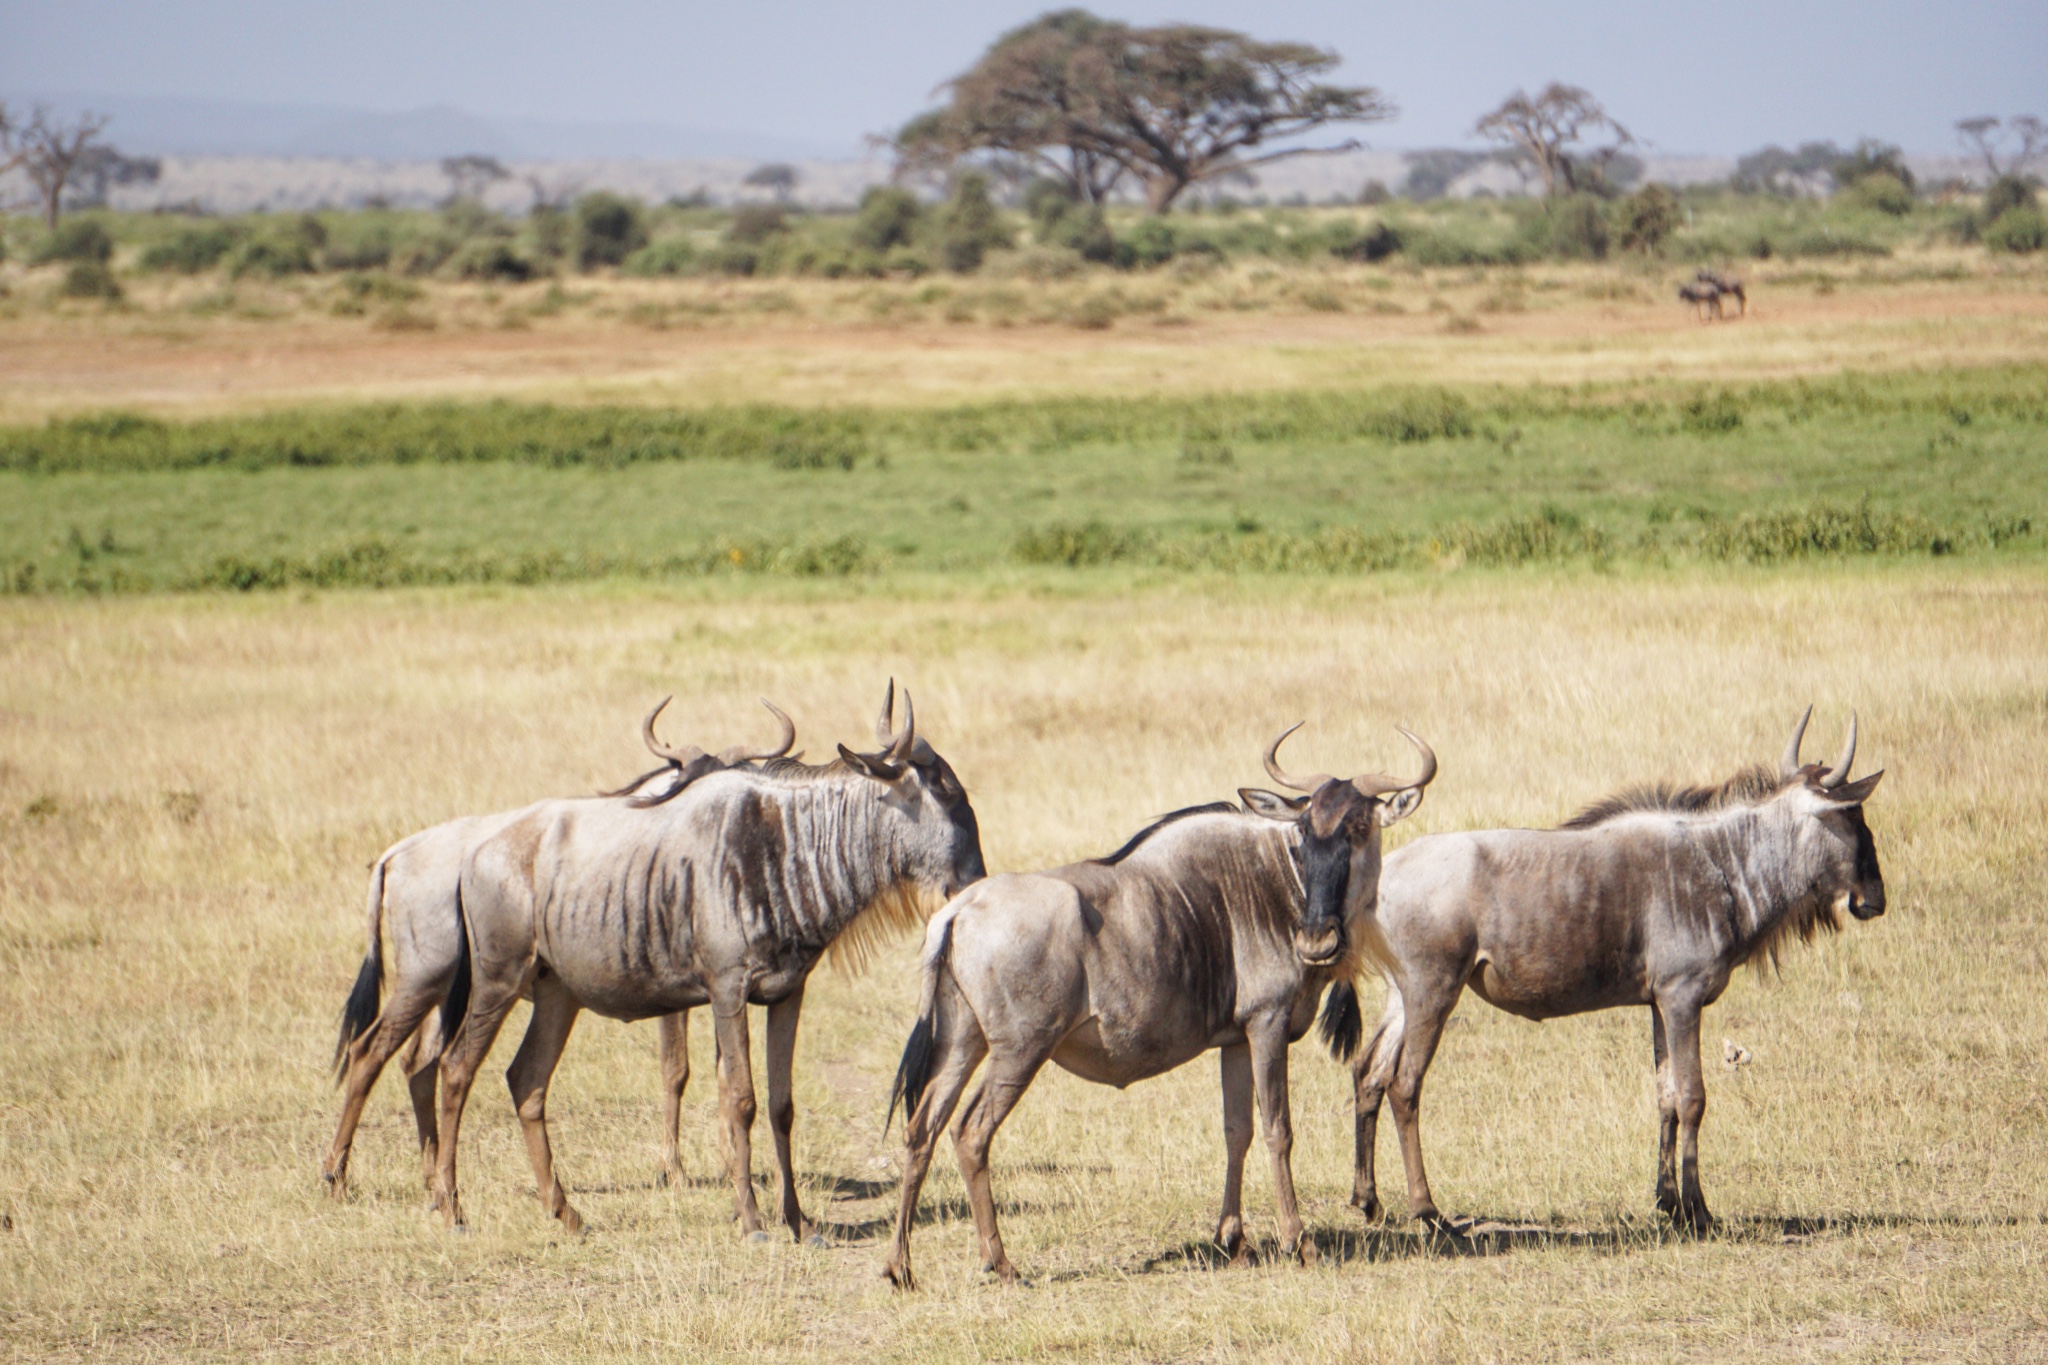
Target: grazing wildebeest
1651,897
1726,284
412,897
726,895
1704,298
1213,928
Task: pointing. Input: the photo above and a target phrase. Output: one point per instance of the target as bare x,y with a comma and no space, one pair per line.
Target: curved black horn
899,745
1375,784
660,750
885,726
1274,771
1837,775
782,749
1788,767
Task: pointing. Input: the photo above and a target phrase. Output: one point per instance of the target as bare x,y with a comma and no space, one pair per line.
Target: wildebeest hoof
817,1239
1369,1208
758,1236
1306,1253
899,1276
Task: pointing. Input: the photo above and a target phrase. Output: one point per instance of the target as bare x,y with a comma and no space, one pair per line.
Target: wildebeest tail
457,1003
914,1072
361,1010
1342,1024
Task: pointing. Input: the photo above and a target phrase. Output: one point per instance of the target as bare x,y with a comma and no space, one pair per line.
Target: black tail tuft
361,1010
913,1073
457,1003
1342,1024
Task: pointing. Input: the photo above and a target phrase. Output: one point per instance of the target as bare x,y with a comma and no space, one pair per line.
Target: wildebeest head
1835,830
1339,851
923,786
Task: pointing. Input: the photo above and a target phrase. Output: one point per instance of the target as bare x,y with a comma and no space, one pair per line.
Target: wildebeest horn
1788,767
885,723
898,746
1837,775
1273,770
738,755
1375,784
680,757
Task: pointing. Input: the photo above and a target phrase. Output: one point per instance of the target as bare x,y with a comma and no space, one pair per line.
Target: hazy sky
1725,77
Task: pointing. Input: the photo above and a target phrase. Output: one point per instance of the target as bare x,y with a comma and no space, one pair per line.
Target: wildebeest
1212,928
1651,897
1704,298
412,899
1727,285
726,895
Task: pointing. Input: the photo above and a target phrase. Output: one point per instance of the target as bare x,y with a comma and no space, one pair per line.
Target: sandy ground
167,361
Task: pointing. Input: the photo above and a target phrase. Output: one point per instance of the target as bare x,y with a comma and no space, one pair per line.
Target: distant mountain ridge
178,126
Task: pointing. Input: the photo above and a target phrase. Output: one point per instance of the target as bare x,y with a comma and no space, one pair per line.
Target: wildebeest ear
1272,805
1399,805
1854,793
873,765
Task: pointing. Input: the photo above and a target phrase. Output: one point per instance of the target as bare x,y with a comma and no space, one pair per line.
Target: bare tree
49,151
1545,133
99,169
1172,106
1991,136
12,154
777,177
471,174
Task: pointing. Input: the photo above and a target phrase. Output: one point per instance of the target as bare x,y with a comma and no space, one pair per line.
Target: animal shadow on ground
1480,1236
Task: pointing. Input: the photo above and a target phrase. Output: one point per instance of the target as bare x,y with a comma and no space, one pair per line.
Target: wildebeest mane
1131,844
1745,788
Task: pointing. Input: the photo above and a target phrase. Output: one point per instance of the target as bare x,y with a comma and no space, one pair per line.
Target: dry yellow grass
1253,327
189,790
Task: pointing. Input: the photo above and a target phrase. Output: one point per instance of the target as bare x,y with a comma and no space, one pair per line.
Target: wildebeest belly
1542,990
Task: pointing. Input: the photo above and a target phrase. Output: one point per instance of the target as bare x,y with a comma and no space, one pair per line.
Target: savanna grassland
294,566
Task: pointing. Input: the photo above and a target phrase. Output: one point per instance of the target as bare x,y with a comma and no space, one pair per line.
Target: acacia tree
49,150
777,177
1091,100
1991,136
470,175
1545,133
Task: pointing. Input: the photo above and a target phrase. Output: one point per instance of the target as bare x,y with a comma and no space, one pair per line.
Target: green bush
1578,229
1085,231
2006,193
1823,240
967,227
1883,191
1376,243
490,259
78,239
359,245
669,256
1647,218
888,217
89,280
1151,243
609,228
191,250
754,224
280,249
2018,231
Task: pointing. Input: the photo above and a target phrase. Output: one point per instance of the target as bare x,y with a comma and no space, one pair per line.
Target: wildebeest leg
957,1050
1423,1027
736,1109
1371,1068
366,1057
782,1021
1002,1085
1667,1119
675,1075
533,1066
488,1007
1268,1046
1237,1140
1682,1034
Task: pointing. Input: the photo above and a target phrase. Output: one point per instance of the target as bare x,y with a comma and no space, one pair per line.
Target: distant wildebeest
1212,928
726,895
1726,285
1704,298
412,899
1651,897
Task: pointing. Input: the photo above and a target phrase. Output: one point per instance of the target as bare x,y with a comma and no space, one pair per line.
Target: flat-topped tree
1553,132
2006,146
1090,100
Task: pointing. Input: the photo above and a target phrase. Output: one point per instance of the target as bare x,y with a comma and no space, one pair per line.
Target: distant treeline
825,438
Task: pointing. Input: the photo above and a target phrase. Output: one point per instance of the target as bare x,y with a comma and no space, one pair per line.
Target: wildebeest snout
1319,945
